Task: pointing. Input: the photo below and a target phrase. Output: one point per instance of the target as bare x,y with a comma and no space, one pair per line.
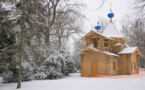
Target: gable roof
111,31
96,50
129,50
92,32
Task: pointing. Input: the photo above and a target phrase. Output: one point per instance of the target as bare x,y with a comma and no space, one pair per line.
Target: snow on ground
75,82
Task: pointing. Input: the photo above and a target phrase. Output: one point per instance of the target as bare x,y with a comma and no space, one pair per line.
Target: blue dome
98,27
111,14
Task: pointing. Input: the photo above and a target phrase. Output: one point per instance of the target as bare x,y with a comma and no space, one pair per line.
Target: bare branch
99,6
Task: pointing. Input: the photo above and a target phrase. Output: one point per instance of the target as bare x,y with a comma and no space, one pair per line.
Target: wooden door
94,68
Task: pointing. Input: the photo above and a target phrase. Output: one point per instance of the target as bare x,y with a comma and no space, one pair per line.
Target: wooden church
107,54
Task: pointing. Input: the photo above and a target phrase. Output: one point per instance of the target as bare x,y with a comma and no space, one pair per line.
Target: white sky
119,7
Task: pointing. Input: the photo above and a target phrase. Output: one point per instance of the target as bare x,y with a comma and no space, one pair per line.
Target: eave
92,32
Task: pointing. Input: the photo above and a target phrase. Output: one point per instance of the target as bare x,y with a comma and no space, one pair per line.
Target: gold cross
110,5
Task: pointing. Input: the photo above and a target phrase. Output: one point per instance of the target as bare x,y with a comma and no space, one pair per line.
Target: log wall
134,62
103,61
124,63
99,63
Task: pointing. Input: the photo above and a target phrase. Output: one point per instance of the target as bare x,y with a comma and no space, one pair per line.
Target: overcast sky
119,7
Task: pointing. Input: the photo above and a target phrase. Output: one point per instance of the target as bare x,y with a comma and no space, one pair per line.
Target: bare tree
139,7
68,22
134,28
101,5
135,31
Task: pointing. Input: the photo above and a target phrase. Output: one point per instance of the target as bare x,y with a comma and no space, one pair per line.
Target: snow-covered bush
10,66
27,71
57,64
8,77
11,74
70,67
53,65
69,62
40,75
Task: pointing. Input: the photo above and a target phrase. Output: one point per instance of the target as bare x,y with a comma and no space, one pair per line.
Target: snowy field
75,82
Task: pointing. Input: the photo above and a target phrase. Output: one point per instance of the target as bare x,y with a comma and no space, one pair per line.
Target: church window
81,57
122,42
106,40
106,43
94,41
134,65
131,65
91,40
97,38
114,65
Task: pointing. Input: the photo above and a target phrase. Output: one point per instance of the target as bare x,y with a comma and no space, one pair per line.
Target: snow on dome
111,31
127,50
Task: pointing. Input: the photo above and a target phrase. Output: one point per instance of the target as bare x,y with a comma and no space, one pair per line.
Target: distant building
107,53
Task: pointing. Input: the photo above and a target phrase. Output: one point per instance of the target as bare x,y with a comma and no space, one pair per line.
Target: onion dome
110,14
98,27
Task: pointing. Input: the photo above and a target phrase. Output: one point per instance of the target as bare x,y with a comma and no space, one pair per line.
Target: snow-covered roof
117,44
113,54
127,50
105,52
111,31
92,31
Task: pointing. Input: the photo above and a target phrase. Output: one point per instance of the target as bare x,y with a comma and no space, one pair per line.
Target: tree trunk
20,62
21,49
47,38
59,41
